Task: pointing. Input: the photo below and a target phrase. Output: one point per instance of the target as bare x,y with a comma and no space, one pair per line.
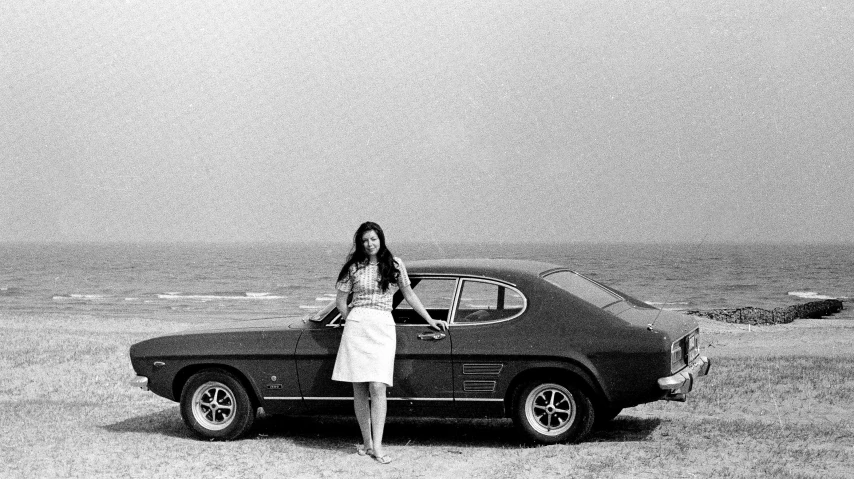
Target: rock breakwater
782,315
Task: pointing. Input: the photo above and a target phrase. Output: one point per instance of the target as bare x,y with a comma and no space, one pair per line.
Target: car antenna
670,293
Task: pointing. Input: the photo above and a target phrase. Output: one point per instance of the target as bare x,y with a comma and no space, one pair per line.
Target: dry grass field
777,403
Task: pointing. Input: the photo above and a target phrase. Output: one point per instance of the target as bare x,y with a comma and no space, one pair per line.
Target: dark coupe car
536,342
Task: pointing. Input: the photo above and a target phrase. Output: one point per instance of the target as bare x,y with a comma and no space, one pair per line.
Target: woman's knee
361,390
377,389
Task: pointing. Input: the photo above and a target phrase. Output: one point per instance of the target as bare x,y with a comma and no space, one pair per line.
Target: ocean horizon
197,281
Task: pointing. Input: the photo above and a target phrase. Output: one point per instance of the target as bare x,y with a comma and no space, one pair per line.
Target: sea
199,282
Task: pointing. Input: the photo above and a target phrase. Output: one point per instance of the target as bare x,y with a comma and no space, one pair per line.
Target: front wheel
215,405
549,412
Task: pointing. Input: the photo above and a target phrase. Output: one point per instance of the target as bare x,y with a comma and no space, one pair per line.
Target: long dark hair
386,266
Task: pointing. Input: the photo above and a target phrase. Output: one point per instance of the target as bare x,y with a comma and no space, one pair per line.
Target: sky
443,121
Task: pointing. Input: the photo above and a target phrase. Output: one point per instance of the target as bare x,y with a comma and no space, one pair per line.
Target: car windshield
591,291
320,314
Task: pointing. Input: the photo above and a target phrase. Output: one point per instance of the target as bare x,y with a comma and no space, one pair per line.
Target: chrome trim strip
425,325
460,280
333,323
328,398
601,286
452,313
459,291
419,399
458,276
351,398
390,399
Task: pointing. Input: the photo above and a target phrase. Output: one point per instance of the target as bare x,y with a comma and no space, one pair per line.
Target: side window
482,302
435,294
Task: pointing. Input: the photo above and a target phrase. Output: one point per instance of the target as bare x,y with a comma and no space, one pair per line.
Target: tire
548,412
216,406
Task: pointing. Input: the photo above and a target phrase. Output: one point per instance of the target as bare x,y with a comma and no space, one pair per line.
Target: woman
366,354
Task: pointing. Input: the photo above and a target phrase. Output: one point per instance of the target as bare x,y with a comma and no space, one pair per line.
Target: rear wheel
549,412
215,405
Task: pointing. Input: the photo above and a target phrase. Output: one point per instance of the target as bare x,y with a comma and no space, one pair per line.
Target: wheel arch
187,372
554,372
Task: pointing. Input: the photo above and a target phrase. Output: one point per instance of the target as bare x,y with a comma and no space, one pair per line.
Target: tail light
677,356
693,345
684,351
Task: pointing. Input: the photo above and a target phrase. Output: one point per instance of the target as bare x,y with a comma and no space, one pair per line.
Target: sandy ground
69,412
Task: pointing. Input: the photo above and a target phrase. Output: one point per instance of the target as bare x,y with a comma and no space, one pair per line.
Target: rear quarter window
586,289
486,302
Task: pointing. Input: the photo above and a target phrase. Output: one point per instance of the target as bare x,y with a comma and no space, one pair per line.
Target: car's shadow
624,429
333,431
167,422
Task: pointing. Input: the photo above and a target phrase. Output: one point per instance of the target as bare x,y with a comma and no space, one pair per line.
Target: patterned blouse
363,282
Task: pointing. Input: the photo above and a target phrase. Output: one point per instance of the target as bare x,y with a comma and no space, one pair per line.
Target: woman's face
371,243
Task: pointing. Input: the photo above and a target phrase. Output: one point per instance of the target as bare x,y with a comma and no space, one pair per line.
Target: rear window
586,289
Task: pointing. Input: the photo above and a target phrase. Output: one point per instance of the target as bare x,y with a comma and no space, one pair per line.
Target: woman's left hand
440,325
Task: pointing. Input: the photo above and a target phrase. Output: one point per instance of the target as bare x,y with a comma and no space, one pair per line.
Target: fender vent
479,386
483,369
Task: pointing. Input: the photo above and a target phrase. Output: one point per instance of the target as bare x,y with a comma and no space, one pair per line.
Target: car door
422,367
485,343
423,377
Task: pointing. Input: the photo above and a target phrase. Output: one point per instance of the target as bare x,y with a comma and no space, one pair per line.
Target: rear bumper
681,383
140,382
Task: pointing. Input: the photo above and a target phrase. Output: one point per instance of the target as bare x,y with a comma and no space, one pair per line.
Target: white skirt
366,353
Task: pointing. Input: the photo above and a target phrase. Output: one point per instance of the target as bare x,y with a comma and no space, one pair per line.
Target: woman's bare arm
413,301
341,304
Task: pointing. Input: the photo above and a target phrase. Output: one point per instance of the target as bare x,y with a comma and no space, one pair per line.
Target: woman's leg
361,405
379,407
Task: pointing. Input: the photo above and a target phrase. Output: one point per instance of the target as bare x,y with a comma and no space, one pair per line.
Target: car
544,345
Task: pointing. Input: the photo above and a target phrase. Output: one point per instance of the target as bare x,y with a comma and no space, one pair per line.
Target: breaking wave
811,295
61,297
218,296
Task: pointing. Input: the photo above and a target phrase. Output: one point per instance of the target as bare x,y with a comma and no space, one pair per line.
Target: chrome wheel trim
214,406
550,409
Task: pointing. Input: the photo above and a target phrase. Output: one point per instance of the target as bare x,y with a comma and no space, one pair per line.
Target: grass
776,404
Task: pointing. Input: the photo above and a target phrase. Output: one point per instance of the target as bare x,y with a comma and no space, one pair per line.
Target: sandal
362,451
383,459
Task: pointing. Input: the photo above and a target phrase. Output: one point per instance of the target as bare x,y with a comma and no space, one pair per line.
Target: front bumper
140,382
681,383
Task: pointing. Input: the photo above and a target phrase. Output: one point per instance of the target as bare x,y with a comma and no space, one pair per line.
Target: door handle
430,336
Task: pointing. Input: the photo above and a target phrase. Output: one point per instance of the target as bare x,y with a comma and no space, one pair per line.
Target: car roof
482,267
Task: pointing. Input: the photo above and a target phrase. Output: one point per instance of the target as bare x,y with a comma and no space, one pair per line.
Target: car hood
269,336
281,322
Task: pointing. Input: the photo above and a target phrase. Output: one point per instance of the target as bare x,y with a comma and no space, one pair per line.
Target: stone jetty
782,315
